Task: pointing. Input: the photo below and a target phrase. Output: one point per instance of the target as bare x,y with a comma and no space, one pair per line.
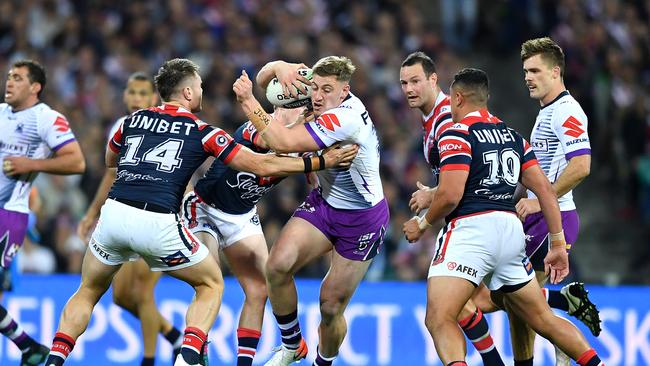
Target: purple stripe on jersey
315,136
573,154
57,147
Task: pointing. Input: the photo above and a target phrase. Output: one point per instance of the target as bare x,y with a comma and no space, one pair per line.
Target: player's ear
346,91
557,72
35,87
433,78
187,93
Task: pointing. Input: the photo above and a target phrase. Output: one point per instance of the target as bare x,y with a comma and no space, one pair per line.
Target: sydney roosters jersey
495,156
35,133
159,148
559,134
433,125
230,190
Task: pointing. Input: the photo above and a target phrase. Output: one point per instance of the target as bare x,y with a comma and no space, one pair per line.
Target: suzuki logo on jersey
573,127
61,124
329,121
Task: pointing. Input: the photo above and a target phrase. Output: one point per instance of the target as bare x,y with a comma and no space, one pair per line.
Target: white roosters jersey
559,134
116,125
359,186
35,133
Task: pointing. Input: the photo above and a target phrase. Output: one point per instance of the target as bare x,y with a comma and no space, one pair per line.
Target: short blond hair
339,66
551,52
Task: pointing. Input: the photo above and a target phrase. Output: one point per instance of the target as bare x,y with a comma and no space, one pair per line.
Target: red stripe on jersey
484,117
450,167
528,164
443,127
114,148
245,351
232,154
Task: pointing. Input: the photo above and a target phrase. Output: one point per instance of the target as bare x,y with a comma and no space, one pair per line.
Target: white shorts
488,246
226,228
123,232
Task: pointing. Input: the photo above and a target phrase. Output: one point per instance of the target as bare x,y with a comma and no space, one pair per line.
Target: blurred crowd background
89,48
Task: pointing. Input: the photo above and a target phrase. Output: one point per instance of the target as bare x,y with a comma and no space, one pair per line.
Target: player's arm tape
423,223
260,119
558,239
314,163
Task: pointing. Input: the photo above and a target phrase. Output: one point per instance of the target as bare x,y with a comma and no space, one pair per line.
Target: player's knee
122,298
277,270
255,293
331,307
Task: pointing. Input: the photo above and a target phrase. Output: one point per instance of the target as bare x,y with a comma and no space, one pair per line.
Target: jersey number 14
165,155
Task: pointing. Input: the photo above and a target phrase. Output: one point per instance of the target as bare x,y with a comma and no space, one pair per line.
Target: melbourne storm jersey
559,134
36,133
159,148
433,125
495,157
230,190
359,186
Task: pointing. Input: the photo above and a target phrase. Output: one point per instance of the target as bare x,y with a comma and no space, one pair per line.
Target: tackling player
133,285
156,151
35,139
347,213
222,213
482,160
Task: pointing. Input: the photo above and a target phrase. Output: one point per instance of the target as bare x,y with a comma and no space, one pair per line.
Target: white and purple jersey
359,186
560,134
35,133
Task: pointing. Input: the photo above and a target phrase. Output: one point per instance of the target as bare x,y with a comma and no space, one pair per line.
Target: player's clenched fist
412,230
243,87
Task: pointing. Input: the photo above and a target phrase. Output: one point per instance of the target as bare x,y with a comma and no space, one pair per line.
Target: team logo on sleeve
61,124
573,127
222,140
329,121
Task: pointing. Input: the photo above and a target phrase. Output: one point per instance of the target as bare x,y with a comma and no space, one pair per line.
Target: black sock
528,362
147,361
557,301
173,337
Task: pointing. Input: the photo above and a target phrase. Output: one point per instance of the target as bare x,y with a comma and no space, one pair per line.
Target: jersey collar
564,93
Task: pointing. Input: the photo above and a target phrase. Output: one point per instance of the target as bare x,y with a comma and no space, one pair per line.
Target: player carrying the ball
347,213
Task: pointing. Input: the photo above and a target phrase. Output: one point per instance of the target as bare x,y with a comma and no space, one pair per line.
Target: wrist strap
308,167
423,223
557,239
321,160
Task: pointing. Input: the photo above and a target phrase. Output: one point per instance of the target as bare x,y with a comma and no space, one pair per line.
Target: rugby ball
275,95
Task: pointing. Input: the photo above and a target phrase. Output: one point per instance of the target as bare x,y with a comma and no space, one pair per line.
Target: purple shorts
356,234
13,226
536,232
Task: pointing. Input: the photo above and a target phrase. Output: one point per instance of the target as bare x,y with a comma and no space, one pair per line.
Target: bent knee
332,307
255,292
278,270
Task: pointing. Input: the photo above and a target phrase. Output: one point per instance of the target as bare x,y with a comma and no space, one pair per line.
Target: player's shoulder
46,115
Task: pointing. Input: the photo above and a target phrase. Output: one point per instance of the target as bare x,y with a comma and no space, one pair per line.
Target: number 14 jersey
159,149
